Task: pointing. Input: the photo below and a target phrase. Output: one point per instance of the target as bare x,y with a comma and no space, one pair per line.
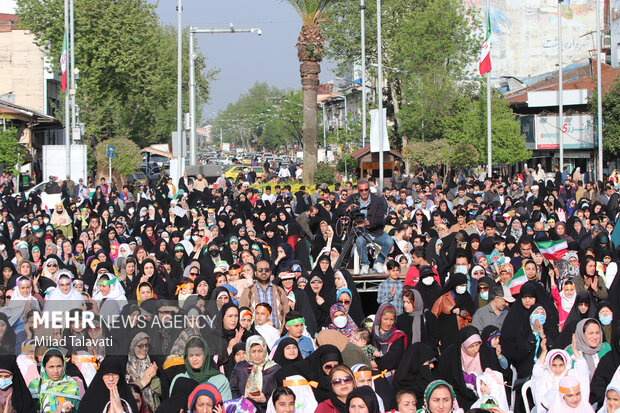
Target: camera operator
374,209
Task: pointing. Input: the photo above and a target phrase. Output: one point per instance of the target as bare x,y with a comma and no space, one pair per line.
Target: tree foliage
324,174
266,115
468,124
127,61
428,48
428,153
9,150
611,116
127,159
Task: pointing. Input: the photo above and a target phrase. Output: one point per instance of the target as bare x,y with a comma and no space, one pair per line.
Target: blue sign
111,151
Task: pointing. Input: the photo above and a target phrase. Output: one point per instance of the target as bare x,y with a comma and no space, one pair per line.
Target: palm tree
310,53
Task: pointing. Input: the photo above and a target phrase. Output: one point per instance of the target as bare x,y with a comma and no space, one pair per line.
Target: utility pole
192,80
192,99
489,132
599,96
363,13
380,94
560,87
181,159
67,101
72,89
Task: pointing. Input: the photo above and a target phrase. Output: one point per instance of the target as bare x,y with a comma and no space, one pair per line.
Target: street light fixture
192,79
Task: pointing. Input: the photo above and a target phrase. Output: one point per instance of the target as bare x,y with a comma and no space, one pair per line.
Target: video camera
356,215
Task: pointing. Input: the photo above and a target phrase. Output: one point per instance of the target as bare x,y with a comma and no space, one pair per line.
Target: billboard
578,132
525,34
614,18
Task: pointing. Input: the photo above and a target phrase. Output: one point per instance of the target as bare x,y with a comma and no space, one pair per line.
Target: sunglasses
193,273
363,190
262,270
52,265
344,302
342,381
143,346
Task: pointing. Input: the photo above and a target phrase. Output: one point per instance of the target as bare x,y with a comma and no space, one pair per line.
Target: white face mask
183,295
461,289
340,321
427,280
195,238
460,269
187,237
131,211
46,220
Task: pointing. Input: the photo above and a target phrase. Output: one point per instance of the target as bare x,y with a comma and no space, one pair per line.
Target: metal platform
368,283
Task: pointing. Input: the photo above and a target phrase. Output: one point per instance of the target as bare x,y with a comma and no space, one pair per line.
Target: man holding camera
374,209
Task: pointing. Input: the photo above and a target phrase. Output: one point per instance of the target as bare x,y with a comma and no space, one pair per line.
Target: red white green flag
484,65
553,250
63,62
517,281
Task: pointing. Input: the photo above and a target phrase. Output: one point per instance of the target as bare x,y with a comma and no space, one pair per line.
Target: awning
157,152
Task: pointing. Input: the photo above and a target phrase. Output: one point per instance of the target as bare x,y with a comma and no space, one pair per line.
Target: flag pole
489,146
67,93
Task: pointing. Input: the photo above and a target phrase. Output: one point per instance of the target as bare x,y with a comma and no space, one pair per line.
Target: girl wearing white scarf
64,297
550,368
21,301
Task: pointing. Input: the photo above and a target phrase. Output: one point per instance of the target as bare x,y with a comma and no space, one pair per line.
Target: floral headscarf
49,392
347,330
255,379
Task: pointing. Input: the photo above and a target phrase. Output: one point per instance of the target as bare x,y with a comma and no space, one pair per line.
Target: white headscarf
16,306
116,290
304,397
57,300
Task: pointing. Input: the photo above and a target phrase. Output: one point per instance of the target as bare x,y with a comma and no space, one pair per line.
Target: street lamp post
192,80
363,15
180,140
599,99
560,87
380,93
67,101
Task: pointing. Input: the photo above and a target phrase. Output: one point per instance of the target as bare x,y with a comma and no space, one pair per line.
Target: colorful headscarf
255,379
205,389
431,388
52,393
348,329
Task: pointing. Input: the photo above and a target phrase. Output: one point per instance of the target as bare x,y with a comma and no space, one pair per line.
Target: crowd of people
498,294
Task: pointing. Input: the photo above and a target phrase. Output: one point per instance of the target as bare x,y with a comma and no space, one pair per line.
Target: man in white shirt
284,173
268,196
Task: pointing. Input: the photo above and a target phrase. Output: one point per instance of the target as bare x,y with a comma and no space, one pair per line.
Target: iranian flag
517,281
553,250
484,65
63,62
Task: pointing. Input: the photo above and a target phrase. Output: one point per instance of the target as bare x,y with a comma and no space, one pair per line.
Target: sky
243,59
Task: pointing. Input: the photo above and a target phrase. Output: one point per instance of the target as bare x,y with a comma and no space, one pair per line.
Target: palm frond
310,11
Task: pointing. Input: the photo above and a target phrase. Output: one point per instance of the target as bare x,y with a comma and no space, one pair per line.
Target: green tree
265,114
127,61
431,153
9,150
127,158
611,116
468,124
428,47
310,54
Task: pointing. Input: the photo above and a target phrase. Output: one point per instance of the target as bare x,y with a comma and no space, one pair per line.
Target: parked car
137,178
235,170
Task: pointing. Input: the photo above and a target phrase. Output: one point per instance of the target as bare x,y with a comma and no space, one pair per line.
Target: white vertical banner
374,131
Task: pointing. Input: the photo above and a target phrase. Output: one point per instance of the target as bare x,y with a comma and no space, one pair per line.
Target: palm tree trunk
310,85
